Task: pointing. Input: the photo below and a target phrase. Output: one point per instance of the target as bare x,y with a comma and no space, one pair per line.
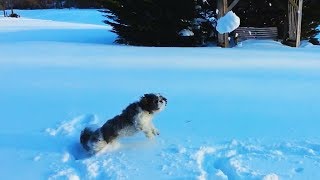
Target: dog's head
153,102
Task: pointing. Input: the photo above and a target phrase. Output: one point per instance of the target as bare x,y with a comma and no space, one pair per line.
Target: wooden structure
256,33
294,19
223,39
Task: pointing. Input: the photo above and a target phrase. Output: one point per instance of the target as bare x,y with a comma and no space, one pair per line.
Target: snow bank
23,24
65,174
186,32
199,157
35,30
83,16
69,127
228,23
271,177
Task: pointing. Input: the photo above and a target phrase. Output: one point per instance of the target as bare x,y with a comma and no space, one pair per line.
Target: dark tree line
158,22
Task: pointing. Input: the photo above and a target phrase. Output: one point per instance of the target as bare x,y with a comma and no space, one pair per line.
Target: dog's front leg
154,130
149,134
148,129
151,131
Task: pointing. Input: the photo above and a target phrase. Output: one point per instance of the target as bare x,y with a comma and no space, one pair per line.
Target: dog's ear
146,96
144,99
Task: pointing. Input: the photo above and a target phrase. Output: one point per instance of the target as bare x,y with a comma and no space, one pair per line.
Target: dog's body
136,117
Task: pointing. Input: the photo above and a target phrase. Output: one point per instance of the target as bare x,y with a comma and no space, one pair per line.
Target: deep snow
250,112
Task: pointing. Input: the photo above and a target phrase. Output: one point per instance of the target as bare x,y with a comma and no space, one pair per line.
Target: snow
199,157
186,32
82,16
271,177
228,23
249,112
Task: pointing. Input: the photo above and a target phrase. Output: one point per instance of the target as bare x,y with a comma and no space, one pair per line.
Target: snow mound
69,127
36,30
199,156
244,160
23,24
228,23
65,174
186,32
71,161
84,16
271,177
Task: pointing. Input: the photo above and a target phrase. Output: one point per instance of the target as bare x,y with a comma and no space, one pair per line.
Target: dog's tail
85,137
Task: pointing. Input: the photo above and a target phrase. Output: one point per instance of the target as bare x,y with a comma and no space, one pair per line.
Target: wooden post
295,18
232,5
222,6
298,38
293,3
291,16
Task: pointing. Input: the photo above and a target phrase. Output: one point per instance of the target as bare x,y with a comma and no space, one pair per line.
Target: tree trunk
11,5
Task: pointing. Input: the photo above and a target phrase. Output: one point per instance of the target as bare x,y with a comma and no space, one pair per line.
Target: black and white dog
136,117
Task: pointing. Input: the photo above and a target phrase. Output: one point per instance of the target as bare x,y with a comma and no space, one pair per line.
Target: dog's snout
164,99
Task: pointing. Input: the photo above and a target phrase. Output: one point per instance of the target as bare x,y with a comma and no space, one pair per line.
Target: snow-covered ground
250,112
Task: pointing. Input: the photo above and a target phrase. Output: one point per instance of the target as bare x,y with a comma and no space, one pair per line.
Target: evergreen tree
86,3
311,20
150,22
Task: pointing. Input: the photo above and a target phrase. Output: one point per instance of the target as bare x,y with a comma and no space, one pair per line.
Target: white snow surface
186,32
250,112
228,23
